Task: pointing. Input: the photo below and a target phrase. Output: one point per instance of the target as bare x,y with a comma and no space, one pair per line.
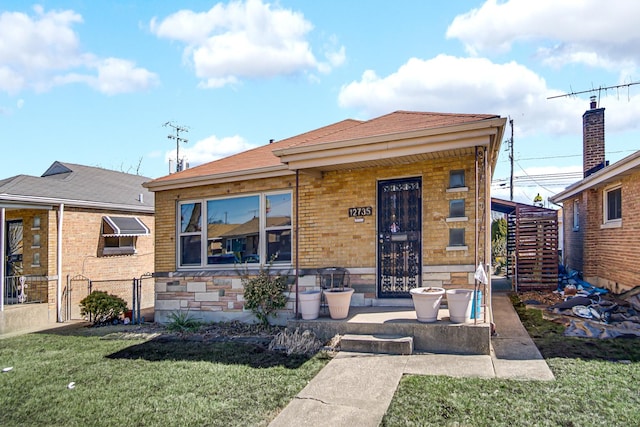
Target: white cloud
45,52
588,32
241,40
209,149
477,85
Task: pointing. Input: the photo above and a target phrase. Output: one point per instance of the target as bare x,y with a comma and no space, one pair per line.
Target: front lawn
109,379
596,385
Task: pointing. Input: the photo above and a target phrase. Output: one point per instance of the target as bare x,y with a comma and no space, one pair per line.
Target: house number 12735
361,211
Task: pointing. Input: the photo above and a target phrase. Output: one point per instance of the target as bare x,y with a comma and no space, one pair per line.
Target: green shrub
264,294
102,307
181,321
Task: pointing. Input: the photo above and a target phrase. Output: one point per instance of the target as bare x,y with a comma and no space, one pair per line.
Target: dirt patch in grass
547,331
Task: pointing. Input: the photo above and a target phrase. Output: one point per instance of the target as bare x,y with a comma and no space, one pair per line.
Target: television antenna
178,140
598,89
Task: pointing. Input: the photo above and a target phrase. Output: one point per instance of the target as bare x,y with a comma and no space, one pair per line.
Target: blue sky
93,82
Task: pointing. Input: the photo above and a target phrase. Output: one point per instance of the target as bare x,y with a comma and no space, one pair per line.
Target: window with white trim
242,229
456,237
576,215
612,199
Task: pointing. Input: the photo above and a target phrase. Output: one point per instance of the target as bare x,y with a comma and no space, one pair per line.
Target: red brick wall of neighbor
593,138
612,255
573,239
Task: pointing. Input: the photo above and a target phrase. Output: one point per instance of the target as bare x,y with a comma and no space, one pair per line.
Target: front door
14,248
399,237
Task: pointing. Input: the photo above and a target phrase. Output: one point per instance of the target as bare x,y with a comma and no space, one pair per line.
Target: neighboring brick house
602,213
400,201
72,221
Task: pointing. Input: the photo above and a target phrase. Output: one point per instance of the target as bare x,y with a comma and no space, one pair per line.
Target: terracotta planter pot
309,304
459,302
426,302
339,300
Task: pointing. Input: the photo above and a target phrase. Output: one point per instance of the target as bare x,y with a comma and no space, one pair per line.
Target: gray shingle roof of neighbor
78,185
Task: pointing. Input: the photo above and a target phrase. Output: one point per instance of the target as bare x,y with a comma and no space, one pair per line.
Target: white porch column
3,257
59,264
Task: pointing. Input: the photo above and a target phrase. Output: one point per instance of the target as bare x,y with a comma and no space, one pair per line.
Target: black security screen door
399,237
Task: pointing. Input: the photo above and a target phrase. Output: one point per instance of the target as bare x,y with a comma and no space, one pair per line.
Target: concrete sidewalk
355,389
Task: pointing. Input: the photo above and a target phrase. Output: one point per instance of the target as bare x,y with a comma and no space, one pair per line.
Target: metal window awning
119,226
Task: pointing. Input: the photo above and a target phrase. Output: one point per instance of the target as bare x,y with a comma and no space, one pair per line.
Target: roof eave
484,132
9,200
196,181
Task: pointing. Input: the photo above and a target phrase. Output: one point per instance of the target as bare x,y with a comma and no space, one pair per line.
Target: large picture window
245,229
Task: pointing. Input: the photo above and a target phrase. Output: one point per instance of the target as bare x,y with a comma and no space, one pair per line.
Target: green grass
597,384
144,383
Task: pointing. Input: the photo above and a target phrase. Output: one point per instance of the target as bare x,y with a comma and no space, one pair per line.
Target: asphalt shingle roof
68,182
263,157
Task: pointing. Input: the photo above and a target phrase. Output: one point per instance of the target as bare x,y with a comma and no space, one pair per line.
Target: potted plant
338,300
337,294
309,304
426,301
459,302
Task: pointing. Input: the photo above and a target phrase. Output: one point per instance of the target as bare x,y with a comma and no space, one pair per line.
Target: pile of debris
593,312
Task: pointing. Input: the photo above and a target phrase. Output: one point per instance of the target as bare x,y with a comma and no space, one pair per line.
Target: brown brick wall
327,235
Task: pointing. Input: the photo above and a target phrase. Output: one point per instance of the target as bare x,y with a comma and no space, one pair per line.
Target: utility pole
178,140
511,159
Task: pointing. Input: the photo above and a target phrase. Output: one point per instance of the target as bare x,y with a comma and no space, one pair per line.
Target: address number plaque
360,211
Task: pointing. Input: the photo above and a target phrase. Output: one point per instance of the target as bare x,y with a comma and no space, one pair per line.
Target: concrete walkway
355,389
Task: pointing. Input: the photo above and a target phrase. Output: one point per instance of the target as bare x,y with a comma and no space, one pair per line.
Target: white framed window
254,228
576,215
612,206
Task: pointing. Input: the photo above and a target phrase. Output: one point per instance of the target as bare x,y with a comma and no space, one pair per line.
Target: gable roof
608,175
349,142
80,186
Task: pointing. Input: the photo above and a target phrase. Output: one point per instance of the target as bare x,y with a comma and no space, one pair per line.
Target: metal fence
26,289
138,293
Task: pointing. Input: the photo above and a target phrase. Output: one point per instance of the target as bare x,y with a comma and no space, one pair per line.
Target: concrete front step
386,344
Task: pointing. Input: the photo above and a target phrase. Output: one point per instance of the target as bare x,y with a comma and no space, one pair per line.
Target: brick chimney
593,139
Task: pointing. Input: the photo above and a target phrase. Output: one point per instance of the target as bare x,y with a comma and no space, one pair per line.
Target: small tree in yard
102,307
264,294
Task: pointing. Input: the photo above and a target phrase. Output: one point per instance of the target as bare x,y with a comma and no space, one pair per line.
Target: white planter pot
338,301
309,304
426,302
459,302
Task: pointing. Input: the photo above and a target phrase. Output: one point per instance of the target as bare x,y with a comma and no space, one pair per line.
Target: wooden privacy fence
532,248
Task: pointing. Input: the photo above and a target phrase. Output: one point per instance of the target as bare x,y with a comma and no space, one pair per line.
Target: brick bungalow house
602,213
400,201
73,221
